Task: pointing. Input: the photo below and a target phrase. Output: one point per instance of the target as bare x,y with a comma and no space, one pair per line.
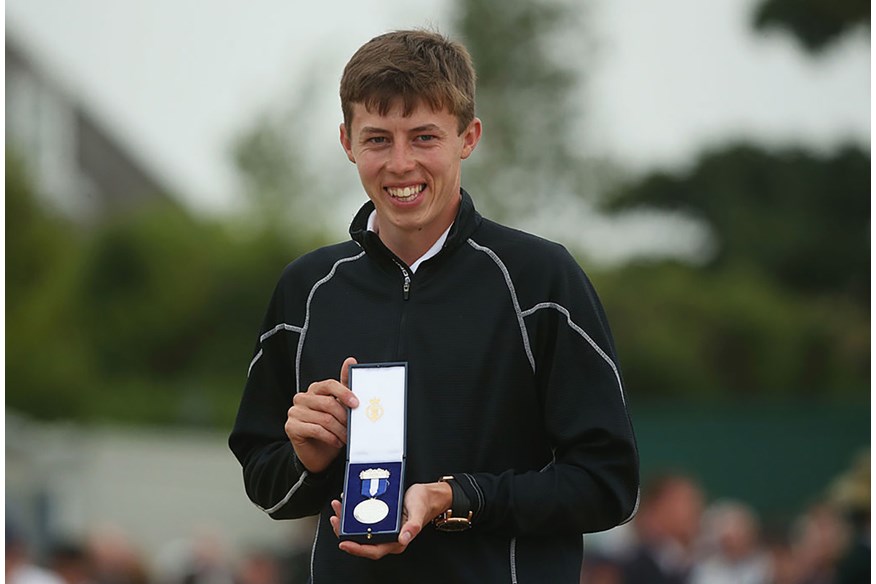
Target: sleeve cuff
474,493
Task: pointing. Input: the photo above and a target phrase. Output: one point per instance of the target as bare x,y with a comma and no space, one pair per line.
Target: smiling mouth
405,194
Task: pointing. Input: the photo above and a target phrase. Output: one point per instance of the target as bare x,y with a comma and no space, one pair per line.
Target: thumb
345,371
409,531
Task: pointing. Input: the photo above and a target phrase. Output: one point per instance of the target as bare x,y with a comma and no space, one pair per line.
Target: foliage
783,307
814,23
284,188
800,217
526,98
149,316
684,332
47,363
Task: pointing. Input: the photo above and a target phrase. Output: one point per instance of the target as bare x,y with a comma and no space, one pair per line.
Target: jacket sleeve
592,484
273,477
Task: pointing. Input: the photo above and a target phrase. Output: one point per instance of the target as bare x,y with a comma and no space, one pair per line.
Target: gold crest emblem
374,411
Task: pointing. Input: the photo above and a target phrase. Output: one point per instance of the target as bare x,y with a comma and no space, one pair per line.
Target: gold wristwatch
458,517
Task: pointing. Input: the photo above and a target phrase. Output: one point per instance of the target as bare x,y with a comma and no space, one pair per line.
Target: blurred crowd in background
677,537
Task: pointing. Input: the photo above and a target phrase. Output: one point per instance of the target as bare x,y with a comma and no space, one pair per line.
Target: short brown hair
414,66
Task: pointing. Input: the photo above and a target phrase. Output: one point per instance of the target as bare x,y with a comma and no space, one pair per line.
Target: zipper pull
406,289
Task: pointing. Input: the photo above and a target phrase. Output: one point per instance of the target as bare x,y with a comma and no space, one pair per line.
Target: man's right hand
317,421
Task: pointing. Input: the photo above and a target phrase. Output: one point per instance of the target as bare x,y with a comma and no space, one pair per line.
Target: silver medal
370,511
374,483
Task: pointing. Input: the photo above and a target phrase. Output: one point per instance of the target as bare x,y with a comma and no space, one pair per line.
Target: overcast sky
177,79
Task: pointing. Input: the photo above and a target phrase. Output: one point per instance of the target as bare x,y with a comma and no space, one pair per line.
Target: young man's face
410,166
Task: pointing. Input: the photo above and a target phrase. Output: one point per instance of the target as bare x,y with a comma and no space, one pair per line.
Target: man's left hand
423,502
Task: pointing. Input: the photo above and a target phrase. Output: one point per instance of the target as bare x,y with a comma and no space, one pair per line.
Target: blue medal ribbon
374,487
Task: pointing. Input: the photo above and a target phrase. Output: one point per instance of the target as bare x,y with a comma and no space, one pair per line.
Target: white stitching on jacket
513,547
586,337
325,279
253,362
288,496
313,549
280,327
477,490
267,335
602,354
514,300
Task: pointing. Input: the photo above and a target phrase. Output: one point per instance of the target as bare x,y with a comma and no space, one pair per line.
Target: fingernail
405,537
354,402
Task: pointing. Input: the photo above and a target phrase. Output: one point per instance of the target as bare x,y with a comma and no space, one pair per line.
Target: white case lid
377,426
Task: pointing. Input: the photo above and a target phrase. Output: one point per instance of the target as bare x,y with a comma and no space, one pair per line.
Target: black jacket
512,382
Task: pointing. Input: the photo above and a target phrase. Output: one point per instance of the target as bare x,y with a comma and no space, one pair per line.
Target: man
667,528
513,387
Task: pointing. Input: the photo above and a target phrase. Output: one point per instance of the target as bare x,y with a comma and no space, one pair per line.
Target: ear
470,137
346,143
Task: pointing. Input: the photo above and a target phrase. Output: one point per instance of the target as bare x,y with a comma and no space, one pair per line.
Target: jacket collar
467,220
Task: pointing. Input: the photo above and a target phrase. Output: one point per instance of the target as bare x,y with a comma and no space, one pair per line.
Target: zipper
406,294
406,287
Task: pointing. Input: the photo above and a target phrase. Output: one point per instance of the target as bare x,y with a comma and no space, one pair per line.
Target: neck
410,246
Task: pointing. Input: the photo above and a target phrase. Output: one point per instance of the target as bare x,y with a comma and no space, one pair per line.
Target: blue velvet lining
353,496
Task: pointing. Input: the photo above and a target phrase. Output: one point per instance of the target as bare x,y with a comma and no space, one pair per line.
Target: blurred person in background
731,551
666,526
72,562
261,567
600,570
850,495
202,559
818,540
115,559
20,567
783,568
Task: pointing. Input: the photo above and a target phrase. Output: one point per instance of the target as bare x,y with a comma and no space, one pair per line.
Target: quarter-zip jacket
513,387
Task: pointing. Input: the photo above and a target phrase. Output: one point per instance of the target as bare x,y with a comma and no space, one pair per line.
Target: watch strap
460,504
458,516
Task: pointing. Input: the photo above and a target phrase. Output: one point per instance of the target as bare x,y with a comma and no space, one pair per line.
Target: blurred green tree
814,23
530,59
285,191
783,306
148,316
686,332
48,365
173,303
801,217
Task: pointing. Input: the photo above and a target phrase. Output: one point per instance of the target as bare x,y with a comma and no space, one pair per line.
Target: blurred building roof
74,160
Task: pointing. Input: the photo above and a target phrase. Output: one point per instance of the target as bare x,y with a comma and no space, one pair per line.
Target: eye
376,140
426,138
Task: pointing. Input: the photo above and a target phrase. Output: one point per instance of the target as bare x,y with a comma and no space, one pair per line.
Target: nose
401,159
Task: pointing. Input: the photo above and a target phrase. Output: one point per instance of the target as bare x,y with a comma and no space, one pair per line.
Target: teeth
405,193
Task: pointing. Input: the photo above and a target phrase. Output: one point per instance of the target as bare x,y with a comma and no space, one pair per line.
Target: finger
302,416
319,403
345,370
408,532
334,389
301,432
335,519
370,551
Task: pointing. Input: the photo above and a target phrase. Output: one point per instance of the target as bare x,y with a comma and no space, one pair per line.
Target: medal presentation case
374,474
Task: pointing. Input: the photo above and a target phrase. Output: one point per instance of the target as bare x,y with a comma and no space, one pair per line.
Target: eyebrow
371,130
427,128
423,128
